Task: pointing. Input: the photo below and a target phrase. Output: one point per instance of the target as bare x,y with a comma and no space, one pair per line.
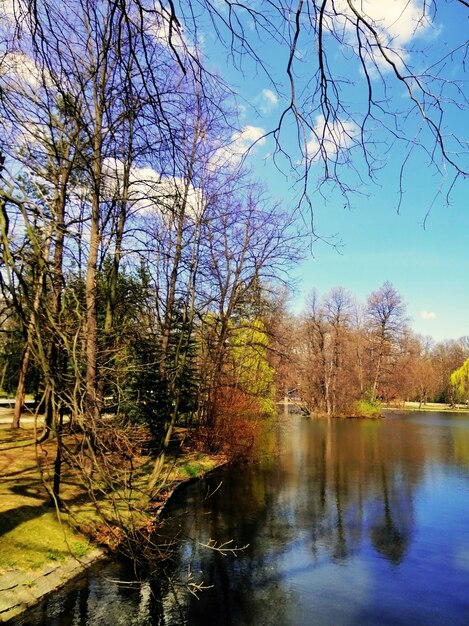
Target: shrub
367,407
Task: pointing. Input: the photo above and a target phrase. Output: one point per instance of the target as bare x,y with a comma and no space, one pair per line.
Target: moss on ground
192,467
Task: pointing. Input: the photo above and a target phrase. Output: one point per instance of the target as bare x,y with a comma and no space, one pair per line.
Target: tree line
351,357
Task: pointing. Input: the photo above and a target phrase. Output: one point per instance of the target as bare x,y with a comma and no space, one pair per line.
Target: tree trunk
181,216
21,387
58,463
91,341
92,401
114,273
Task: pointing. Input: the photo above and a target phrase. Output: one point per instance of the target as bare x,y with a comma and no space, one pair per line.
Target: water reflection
346,521
103,596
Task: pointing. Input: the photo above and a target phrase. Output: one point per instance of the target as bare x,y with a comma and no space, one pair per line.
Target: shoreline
21,590
431,406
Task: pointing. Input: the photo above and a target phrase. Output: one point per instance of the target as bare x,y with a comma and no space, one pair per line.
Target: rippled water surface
346,522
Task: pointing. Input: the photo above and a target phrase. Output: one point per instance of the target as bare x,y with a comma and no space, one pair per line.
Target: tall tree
328,368
385,312
460,382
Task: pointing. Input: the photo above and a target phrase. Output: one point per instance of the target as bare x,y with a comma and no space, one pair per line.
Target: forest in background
351,357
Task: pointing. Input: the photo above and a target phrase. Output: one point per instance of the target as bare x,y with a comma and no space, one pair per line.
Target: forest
351,358
145,272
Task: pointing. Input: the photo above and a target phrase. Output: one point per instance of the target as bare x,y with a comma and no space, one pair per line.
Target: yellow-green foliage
367,408
460,437
460,382
254,375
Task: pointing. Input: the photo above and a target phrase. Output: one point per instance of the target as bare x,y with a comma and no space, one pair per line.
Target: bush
367,407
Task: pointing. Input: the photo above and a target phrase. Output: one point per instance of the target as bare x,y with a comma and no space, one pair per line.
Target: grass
430,406
32,533
193,467
34,542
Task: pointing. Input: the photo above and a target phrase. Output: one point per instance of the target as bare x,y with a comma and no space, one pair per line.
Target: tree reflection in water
335,483
329,513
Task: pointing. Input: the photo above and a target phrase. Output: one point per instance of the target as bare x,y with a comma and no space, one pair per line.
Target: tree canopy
460,382
361,85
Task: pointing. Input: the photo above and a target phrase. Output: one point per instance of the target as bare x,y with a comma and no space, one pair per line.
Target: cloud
8,10
397,23
244,138
266,100
19,71
270,96
150,192
242,142
171,35
330,138
427,315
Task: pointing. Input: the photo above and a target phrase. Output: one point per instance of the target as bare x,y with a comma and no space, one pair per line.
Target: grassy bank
37,539
429,406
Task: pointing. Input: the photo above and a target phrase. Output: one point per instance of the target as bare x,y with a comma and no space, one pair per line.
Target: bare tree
248,244
394,96
338,309
385,312
328,367
398,102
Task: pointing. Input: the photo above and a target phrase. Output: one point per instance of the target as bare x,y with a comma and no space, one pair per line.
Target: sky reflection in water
348,522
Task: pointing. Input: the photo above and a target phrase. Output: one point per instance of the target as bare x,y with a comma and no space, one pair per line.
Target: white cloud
270,96
266,101
150,192
427,315
8,10
242,141
248,135
330,138
19,71
171,35
397,23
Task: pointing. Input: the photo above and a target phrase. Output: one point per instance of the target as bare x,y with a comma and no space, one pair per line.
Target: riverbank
42,549
430,406
22,589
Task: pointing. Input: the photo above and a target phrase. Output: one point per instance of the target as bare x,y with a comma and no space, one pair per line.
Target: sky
364,240
422,249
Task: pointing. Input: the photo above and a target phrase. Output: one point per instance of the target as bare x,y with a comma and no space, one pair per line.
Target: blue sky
423,250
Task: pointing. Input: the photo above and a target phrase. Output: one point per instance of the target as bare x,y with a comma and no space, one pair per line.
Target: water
345,522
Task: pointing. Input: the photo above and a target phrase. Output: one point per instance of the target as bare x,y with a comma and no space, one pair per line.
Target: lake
337,522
